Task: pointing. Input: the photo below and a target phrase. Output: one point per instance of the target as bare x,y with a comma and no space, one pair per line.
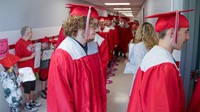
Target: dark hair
162,34
137,22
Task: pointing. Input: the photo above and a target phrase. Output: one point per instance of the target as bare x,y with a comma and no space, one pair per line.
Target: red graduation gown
61,36
158,85
107,37
76,80
103,51
114,33
125,36
116,37
194,105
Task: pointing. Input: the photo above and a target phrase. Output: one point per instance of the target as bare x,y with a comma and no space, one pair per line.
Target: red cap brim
167,13
9,60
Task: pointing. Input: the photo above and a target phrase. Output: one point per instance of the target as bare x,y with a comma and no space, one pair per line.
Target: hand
32,56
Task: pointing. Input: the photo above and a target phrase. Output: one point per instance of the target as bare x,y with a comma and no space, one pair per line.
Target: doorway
190,54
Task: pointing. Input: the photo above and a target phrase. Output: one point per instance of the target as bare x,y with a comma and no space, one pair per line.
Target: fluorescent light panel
117,3
128,14
122,8
125,11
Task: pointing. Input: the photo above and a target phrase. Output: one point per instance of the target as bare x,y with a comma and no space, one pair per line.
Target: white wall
44,16
151,7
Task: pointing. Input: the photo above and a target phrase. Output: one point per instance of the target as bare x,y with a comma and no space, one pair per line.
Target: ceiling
135,5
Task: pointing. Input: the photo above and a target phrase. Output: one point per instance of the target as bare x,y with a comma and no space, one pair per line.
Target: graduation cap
6,59
108,18
171,20
53,41
101,18
45,39
83,10
127,19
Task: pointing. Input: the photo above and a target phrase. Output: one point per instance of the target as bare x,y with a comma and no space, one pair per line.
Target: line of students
76,78
158,81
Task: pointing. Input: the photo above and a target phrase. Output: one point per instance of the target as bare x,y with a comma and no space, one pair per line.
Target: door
190,54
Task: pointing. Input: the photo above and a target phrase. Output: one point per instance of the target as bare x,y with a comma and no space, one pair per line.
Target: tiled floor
119,91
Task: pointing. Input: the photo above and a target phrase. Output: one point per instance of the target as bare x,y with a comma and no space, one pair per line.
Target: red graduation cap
53,41
45,39
7,59
127,19
101,18
108,18
82,10
171,20
111,16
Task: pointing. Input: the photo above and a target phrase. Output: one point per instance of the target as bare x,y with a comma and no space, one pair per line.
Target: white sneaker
30,109
35,104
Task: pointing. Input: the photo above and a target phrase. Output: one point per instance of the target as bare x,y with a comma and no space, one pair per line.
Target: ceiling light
128,14
125,11
117,3
122,8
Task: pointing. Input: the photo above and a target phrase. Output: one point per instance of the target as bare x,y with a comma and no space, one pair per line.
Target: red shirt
24,49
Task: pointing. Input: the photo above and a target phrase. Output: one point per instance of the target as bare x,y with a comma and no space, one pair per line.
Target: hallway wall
44,16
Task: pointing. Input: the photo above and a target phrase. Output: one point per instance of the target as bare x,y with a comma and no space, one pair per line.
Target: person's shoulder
59,51
92,48
93,45
156,56
18,41
140,45
60,54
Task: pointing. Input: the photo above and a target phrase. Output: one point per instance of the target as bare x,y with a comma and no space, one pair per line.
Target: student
158,84
76,81
9,77
145,40
44,66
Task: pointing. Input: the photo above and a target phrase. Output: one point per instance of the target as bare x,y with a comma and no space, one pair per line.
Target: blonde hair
74,23
147,34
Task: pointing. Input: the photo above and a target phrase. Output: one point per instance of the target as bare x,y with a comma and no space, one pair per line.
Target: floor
119,90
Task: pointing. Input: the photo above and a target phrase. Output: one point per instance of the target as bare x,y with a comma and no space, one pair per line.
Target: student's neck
81,40
166,45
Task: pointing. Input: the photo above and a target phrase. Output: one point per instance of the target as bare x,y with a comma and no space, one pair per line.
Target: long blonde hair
147,34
